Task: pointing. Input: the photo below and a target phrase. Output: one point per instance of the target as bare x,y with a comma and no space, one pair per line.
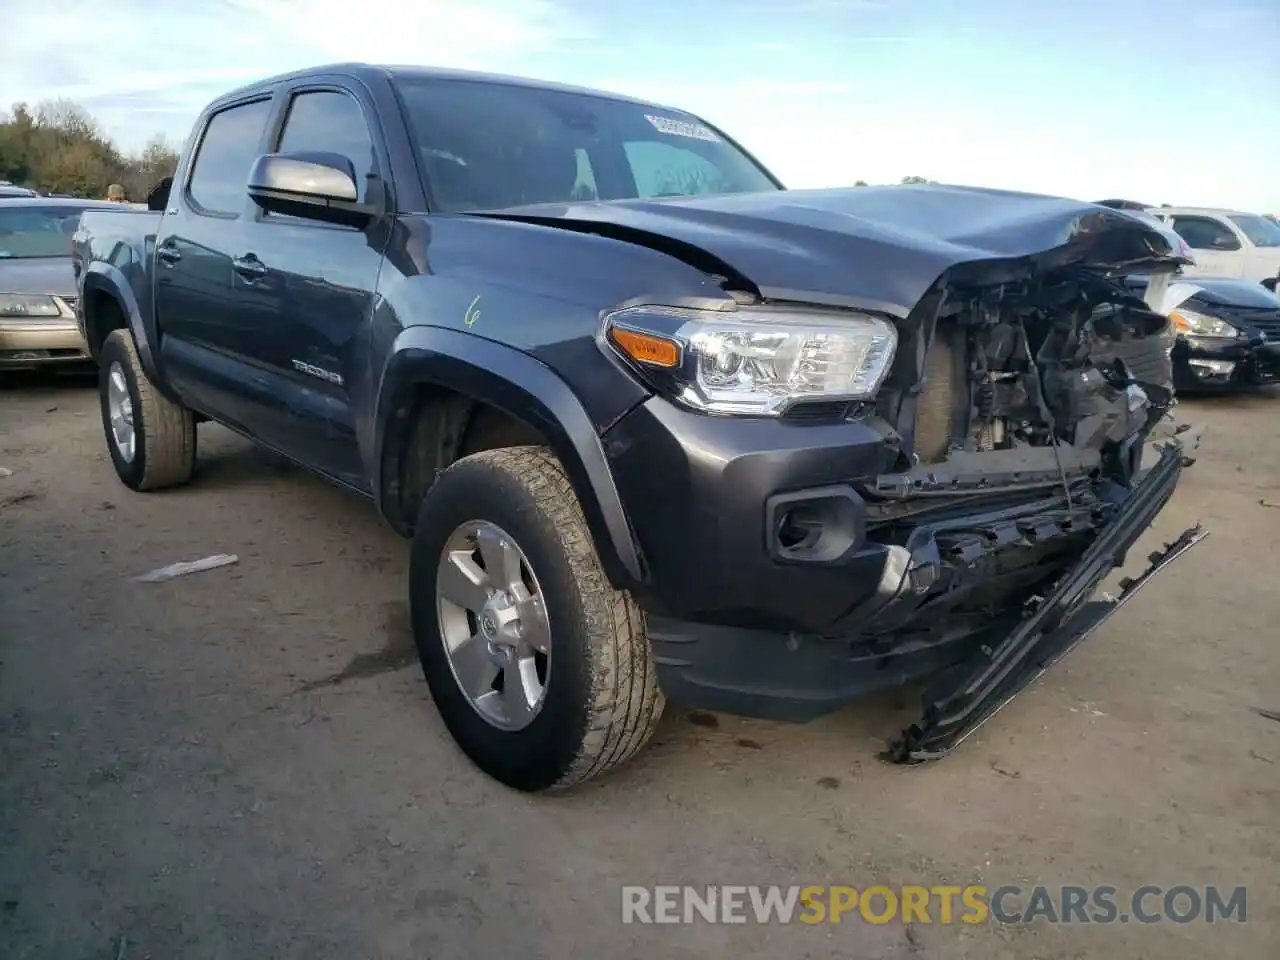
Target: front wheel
540,669
151,439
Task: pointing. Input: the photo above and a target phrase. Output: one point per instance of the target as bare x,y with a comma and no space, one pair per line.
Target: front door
1215,245
308,288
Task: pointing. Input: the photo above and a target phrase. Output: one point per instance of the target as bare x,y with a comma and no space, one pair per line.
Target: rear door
306,288
203,343
1217,248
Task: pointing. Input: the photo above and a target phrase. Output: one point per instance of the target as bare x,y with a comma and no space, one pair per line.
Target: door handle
169,254
249,267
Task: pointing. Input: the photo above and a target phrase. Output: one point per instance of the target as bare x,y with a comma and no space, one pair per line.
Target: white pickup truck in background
1227,243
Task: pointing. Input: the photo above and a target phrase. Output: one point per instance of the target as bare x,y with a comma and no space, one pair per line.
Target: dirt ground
246,762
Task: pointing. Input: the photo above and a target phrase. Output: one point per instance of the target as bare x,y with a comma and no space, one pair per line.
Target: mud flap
977,689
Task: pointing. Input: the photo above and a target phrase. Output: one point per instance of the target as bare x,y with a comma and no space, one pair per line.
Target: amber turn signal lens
646,348
1180,322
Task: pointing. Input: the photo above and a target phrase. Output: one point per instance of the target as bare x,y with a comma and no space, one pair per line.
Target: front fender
103,277
526,389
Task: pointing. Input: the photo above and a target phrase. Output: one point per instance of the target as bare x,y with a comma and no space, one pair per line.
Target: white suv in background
1227,243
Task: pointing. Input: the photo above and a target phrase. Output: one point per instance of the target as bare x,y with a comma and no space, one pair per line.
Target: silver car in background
37,286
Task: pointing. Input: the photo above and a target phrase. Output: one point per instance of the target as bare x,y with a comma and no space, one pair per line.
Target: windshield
492,145
28,232
1260,231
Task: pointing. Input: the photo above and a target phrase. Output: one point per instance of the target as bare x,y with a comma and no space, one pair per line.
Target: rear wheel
151,439
540,668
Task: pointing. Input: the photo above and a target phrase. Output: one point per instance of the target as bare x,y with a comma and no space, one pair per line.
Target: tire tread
168,432
626,702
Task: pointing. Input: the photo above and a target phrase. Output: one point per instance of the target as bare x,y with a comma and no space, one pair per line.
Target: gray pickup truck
657,427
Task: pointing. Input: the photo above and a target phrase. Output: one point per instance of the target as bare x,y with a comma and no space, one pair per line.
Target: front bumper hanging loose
977,688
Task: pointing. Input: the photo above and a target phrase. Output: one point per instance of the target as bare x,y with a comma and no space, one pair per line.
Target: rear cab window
232,141
489,145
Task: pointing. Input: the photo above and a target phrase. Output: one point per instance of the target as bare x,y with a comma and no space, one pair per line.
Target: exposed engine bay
1026,432
1020,381
1030,384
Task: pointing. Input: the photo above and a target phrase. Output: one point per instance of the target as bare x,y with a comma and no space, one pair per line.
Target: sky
1162,102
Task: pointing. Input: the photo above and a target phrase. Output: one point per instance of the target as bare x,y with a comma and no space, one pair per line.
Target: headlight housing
28,305
1199,325
754,361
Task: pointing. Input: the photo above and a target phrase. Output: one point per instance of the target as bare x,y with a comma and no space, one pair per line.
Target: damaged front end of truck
958,514
1021,403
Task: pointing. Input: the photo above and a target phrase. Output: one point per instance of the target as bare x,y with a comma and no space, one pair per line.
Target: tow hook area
978,688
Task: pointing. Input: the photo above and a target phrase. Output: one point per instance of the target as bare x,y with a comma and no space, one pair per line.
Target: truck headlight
754,361
28,305
1198,325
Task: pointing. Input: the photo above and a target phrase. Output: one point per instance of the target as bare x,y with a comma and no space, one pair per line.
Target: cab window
327,121
220,177
1205,233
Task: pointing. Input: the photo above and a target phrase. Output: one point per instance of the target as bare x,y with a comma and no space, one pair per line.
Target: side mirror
158,198
317,186
1221,242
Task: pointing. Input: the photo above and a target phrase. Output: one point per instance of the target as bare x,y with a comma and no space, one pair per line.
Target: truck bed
101,229
119,243
122,239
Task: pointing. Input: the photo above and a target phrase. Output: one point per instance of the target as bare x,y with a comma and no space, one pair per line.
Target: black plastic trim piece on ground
976,690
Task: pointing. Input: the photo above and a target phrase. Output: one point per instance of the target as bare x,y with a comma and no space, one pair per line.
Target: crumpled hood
51,275
879,247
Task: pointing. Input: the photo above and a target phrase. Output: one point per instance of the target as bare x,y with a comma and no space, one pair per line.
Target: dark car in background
1227,329
37,286
1228,332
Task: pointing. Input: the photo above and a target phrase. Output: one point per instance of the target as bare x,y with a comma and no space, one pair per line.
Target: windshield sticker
681,128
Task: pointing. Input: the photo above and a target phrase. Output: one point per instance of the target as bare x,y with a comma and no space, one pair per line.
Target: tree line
59,147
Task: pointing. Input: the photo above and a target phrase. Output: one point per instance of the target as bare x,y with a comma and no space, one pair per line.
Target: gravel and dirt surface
246,763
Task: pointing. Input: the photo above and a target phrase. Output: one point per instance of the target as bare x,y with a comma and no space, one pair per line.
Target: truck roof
368,71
